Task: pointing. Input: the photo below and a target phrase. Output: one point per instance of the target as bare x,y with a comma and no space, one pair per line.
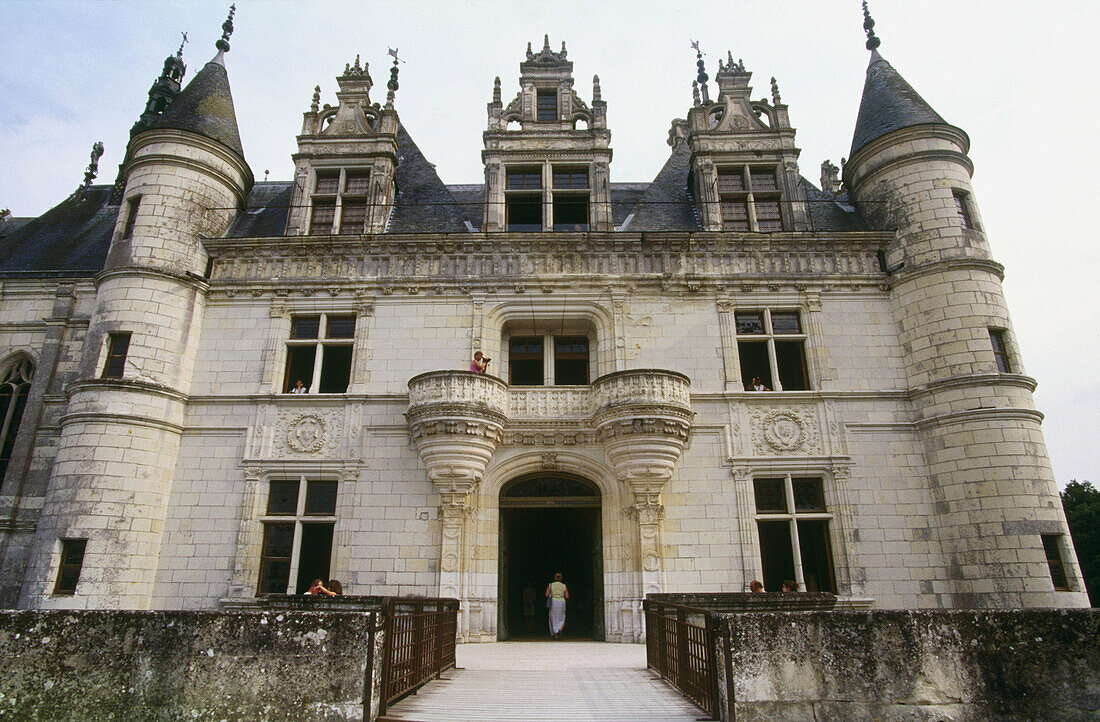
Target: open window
793,527
319,354
298,528
118,344
771,347
523,199
571,199
1052,544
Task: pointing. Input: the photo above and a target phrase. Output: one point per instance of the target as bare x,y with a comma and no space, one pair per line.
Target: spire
391,86
496,90
702,76
889,103
597,94
205,107
869,28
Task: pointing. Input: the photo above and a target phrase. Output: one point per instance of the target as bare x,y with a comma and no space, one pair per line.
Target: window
771,347
68,571
570,207
750,199
15,384
1052,548
1000,350
131,216
324,213
547,104
523,210
530,365
793,525
319,353
962,207
298,528
353,201
117,346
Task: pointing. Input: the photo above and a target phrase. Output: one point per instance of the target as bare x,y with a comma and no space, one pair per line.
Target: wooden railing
419,643
680,648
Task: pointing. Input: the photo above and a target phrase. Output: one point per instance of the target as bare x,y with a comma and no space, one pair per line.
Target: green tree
1081,501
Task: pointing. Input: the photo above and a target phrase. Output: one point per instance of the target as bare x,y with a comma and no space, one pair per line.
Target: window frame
553,113
550,356
1002,357
114,356
1055,558
321,342
963,209
132,205
791,515
18,377
338,191
769,337
300,518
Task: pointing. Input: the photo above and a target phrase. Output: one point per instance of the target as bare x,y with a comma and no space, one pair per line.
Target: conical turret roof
889,103
205,107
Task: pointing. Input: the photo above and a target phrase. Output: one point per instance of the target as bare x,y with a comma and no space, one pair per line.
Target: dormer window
353,202
547,104
570,202
750,199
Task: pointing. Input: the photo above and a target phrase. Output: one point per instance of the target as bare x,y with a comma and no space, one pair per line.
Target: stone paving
538,681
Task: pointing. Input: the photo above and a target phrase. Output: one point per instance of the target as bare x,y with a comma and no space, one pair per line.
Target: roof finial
316,104
869,27
392,86
776,100
496,89
227,30
92,171
530,55
597,94
563,53
702,77
179,53
546,43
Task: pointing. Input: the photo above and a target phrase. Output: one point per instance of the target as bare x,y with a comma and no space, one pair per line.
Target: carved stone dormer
345,164
547,153
743,158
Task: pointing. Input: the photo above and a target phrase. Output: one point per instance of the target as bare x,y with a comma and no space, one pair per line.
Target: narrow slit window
72,560
962,207
131,216
1000,350
118,344
1052,549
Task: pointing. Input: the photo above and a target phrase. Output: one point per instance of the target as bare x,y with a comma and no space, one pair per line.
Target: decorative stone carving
784,431
311,433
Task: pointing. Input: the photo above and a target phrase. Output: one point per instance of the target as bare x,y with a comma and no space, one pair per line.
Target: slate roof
831,213
889,103
71,238
265,211
205,107
471,200
665,205
423,204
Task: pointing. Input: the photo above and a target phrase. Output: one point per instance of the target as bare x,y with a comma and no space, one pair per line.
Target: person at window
757,385
480,364
317,588
299,388
790,586
557,593
335,588
756,587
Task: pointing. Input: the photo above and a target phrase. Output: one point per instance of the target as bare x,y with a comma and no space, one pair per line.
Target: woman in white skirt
557,593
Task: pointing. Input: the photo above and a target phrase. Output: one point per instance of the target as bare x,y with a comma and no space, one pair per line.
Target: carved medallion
785,430
306,434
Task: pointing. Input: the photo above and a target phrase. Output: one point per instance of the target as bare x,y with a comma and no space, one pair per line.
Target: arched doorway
550,523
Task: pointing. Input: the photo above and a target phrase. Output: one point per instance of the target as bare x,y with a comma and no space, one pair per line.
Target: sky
1017,76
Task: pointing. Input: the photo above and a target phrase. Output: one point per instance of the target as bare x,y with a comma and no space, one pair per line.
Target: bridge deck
539,681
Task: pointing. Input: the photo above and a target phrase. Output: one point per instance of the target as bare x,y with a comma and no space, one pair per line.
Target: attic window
750,199
327,183
547,105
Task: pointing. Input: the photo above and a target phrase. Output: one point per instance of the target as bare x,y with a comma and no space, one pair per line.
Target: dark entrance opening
550,524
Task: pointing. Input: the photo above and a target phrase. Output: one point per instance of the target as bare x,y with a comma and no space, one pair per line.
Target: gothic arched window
15,383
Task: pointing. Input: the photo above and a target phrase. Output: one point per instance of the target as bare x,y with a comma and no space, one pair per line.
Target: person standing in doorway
557,593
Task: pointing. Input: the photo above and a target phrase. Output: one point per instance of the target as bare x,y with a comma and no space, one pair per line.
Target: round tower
109,489
998,513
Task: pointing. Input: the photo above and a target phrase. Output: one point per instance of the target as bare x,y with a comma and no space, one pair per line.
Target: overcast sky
1018,77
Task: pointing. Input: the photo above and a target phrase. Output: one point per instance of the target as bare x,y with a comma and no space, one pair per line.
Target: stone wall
185,665
910,665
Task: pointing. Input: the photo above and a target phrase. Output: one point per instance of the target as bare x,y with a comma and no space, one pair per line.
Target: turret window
117,346
131,216
962,207
1000,350
68,571
750,199
771,348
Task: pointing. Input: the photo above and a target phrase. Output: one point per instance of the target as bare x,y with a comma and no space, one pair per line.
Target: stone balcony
642,417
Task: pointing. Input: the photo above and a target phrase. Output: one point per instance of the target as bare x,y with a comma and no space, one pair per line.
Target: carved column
815,333
364,313
250,537
731,362
278,333
746,510
847,563
618,320
648,511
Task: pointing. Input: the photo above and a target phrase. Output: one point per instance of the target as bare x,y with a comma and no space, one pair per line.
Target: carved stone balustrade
643,418
456,419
